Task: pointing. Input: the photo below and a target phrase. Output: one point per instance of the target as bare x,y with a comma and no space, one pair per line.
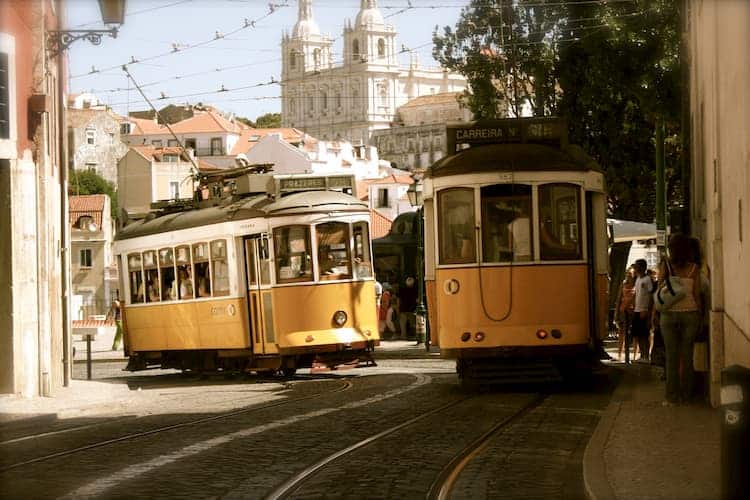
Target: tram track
442,485
346,384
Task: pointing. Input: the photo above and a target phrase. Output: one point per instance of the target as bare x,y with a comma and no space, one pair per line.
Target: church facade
347,99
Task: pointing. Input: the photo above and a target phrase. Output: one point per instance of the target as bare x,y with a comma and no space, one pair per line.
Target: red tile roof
380,225
244,144
394,179
91,205
431,99
205,121
157,154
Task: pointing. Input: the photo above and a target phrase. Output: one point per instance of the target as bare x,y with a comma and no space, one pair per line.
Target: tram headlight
479,336
542,334
465,336
339,318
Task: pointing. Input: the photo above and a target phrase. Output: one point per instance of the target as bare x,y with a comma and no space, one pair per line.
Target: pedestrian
384,322
115,314
680,323
624,310
407,304
378,294
640,329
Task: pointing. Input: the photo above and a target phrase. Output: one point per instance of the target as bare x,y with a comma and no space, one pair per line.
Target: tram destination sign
316,183
515,130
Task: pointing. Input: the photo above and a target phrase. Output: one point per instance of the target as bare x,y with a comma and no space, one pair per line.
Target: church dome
304,28
369,16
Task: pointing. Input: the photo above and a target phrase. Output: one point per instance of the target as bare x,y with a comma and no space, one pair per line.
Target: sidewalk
641,449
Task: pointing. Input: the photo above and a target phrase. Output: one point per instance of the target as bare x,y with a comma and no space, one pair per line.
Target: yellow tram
515,251
276,277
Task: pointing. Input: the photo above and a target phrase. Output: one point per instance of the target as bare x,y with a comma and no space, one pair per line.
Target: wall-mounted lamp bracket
60,40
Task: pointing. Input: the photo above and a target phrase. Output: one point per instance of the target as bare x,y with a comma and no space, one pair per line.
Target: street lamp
416,198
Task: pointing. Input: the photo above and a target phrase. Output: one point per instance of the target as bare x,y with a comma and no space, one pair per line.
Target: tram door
259,296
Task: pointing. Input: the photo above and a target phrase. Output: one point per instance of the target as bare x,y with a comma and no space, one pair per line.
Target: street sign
661,237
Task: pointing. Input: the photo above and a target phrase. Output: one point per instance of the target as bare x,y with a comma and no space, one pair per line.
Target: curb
595,479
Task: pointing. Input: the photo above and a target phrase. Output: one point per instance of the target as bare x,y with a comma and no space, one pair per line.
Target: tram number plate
229,310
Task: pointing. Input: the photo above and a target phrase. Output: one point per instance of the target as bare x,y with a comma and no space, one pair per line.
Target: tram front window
456,215
506,223
559,225
334,261
293,254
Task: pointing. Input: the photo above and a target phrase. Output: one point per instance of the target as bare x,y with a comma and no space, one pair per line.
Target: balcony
210,151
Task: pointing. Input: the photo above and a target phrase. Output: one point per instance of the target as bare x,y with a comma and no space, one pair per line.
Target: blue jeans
679,330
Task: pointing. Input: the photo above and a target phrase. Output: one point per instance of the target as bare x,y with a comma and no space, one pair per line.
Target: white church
348,99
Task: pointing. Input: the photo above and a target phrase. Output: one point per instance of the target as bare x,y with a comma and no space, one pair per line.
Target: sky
244,62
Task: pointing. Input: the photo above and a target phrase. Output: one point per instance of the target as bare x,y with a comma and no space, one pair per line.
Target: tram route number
229,310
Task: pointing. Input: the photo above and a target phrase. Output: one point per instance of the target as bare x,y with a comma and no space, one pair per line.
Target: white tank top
688,303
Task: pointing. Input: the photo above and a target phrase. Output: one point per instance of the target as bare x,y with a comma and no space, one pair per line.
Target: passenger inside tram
186,284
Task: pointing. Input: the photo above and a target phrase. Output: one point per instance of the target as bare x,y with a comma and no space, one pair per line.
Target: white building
349,99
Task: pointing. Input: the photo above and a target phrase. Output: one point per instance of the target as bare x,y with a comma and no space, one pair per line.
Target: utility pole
661,194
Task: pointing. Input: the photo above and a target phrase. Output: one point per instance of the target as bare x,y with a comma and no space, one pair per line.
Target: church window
355,98
383,93
292,59
310,103
293,106
324,99
355,49
381,47
316,57
338,99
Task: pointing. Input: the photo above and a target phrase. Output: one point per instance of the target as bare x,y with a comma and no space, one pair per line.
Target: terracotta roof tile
91,205
205,121
427,100
394,179
245,144
380,225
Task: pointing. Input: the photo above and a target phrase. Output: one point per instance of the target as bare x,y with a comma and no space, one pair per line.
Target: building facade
148,174
33,227
92,269
94,141
207,132
350,98
720,184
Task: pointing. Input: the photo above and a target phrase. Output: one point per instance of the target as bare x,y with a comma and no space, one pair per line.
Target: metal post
661,195
88,356
420,311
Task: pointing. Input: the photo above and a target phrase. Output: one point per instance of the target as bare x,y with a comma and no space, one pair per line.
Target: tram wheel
288,372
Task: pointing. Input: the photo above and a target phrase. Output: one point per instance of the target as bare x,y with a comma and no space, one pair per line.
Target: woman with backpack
681,322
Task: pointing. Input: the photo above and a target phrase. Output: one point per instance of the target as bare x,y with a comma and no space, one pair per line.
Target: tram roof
509,157
246,208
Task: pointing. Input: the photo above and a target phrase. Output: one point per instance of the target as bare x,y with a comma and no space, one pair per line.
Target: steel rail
291,485
443,485
345,386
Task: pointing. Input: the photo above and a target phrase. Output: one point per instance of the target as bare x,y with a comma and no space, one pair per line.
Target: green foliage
612,69
83,182
269,120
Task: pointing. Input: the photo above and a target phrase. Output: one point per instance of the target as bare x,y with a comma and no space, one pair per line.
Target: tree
612,69
269,120
83,182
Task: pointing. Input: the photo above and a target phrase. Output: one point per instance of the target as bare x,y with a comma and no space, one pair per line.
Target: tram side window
166,269
151,270
220,268
559,224
506,223
293,256
201,271
184,273
334,260
135,272
362,260
456,230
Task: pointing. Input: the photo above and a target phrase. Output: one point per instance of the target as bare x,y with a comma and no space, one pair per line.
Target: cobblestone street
383,432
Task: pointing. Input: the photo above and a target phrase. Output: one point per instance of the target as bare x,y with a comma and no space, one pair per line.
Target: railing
210,151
